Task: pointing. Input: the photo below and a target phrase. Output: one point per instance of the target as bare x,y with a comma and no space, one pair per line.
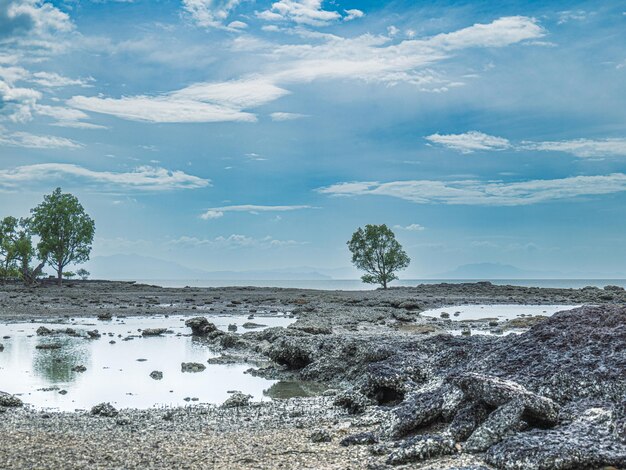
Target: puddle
290,389
120,373
469,315
496,312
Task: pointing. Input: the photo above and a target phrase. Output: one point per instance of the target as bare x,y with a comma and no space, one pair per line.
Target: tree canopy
64,229
376,251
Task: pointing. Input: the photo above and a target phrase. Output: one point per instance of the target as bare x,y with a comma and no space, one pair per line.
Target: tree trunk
59,275
384,283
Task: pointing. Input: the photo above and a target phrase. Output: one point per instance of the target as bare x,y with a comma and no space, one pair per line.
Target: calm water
498,312
350,284
120,372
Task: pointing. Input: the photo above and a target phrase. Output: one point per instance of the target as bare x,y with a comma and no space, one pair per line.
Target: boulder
499,423
200,326
362,438
353,401
421,447
496,392
153,331
191,367
588,442
156,375
320,435
237,400
10,401
104,409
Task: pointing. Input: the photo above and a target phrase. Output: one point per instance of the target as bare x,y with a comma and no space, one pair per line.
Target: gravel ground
268,435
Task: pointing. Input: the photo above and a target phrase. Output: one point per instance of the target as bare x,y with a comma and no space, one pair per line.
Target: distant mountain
496,271
130,267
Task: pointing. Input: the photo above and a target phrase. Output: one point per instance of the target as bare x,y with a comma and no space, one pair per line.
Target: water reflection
119,364
289,389
55,365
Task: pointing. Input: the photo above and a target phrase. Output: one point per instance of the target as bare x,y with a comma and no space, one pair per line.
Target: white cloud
366,57
494,193
143,178
216,212
66,117
375,59
286,116
32,17
17,103
212,214
353,14
211,13
572,15
201,102
53,80
28,140
307,12
582,148
410,228
470,141
237,25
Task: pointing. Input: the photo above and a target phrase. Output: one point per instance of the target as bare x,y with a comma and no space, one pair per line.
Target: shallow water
120,373
497,312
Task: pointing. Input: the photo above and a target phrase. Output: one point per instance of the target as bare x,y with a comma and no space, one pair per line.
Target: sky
253,135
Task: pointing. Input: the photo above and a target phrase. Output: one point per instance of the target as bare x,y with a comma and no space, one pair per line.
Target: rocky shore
401,391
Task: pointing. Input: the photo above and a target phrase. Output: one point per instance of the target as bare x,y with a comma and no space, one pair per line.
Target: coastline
349,340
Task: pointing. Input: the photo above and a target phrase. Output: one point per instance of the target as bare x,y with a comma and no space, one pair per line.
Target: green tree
64,229
83,274
8,236
376,251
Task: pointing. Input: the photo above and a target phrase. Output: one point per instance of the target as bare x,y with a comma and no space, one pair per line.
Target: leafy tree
83,274
8,236
65,231
376,251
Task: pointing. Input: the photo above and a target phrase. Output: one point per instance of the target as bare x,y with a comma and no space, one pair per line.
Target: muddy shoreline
375,352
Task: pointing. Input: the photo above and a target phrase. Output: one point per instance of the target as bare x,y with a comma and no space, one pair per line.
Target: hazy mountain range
131,267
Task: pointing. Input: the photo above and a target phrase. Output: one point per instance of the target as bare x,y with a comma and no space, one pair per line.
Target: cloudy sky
251,134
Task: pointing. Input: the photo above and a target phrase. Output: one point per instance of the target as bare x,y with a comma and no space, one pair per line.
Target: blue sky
243,134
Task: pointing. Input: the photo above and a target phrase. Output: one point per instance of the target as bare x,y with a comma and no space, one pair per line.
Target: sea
355,284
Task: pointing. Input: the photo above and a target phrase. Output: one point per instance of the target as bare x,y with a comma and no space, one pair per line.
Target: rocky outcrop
236,400
9,401
200,326
104,409
192,367
153,331
590,441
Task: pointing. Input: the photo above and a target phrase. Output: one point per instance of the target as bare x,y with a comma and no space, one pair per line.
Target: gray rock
496,392
353,401
588,442
153,331
10,401
499,423
237,400
156,375
200,326
104,409
192,367
467,420
46,346
43,331
362,438
79,368
320,435
421,447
